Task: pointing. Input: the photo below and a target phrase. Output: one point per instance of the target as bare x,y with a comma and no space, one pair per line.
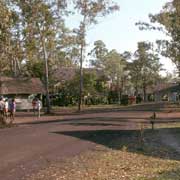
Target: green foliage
23,24
169,19
98,54
5,35
94,89
110,62
34,40
90,12
144,70
37,69
113,65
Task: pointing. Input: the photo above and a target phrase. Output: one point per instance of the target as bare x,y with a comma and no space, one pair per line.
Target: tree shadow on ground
77,120
93,124
82,120
151,144
151,107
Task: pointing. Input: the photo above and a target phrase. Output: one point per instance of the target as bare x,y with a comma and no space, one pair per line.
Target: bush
124,100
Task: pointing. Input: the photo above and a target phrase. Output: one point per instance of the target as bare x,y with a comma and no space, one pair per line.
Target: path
33,145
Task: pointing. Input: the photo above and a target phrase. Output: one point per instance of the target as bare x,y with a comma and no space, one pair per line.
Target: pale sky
118,31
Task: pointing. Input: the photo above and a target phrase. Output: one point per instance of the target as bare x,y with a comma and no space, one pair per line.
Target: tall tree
112,64
169,19
144,70
115,69
7,19
98,54
90,12
40,25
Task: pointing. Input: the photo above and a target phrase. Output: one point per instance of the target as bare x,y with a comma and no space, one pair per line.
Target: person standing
34,101
2,105
6,108
38,107
12,109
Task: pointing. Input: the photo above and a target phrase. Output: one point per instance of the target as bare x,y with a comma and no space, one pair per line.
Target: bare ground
94,139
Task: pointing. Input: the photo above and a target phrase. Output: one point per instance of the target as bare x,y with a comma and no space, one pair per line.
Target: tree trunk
18,66
136,88
15,68
122,87
119,90
136,91
46,79
144,93
46,71
82,46
81,80
119,96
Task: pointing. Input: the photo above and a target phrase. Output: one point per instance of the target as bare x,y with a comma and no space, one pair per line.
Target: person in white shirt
2,105
6,108
38,107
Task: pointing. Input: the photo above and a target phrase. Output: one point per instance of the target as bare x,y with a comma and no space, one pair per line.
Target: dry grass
113,165
128,159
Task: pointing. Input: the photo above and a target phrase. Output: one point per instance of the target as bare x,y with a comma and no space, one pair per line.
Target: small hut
23,89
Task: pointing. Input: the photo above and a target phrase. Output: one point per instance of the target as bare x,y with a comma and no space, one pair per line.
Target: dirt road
35,144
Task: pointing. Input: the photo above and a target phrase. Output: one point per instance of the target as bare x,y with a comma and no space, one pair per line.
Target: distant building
65,74
22,89
168,92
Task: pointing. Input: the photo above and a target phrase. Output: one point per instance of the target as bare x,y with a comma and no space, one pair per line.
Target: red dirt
35,143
